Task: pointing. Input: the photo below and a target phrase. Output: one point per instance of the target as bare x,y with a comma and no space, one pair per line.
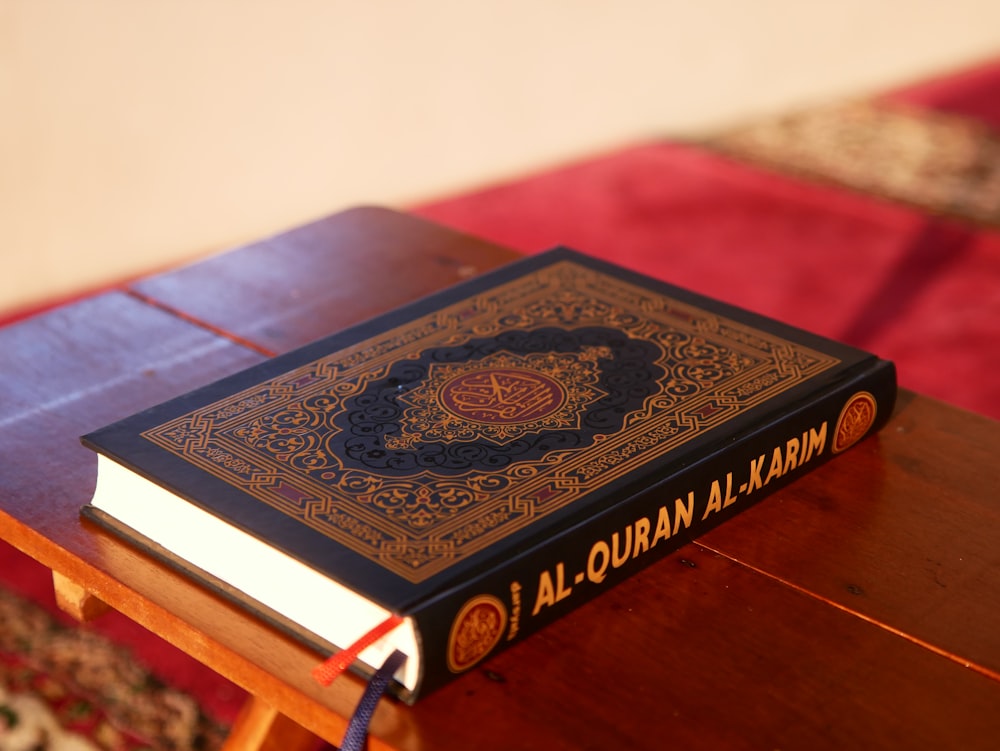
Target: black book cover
447,458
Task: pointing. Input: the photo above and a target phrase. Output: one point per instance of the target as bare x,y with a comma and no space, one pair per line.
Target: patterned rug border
91,686
937,162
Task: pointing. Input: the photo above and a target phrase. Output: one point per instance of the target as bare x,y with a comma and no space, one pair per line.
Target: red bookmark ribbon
326,672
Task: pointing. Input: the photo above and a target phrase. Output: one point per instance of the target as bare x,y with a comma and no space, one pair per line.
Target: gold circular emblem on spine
855,419
475,631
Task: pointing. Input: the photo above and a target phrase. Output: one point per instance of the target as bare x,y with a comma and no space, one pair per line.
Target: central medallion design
501,397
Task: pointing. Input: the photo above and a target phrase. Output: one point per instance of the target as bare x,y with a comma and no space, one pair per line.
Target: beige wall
136,134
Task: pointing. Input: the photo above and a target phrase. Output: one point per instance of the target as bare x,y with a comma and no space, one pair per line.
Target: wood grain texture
904,532
856,607
323,277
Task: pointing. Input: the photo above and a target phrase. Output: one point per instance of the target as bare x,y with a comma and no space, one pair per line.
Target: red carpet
872,222
969,93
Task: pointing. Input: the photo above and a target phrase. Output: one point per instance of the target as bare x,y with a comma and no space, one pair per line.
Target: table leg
75,600
260,727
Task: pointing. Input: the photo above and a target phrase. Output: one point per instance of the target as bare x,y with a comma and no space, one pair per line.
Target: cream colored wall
137,134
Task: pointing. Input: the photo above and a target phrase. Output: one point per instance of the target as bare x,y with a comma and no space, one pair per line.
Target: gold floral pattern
423,444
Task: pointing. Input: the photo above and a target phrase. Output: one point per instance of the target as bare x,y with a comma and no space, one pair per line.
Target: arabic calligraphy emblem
476,630
505,395
501,397
857,416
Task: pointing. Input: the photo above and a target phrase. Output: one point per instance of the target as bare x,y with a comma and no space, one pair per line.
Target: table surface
858,607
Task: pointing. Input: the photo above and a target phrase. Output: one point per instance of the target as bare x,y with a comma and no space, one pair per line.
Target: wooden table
858,608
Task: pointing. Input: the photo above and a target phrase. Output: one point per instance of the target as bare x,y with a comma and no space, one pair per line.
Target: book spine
549,579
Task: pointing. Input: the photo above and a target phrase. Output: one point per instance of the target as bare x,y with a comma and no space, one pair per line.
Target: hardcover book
451,476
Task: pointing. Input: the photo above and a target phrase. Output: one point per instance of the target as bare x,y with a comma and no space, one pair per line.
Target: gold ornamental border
494,504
